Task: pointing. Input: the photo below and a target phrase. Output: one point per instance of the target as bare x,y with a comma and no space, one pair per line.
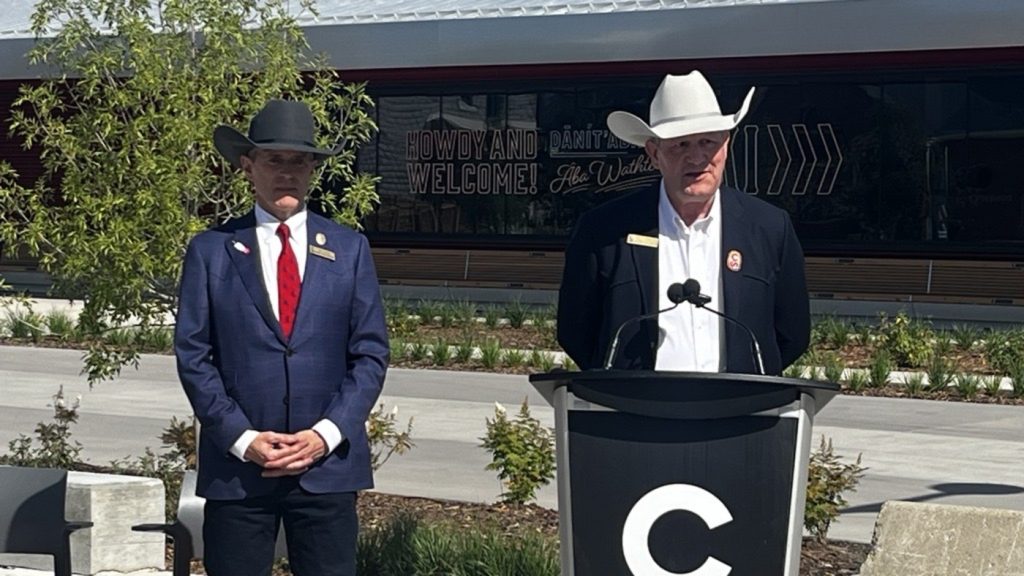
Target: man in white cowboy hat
282,348
623,255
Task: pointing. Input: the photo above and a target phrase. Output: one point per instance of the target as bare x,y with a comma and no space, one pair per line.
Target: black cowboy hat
280,125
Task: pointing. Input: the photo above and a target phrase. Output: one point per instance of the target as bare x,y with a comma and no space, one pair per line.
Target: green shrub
828,479
464,312
406,546
857,380
402,324
793,371
907,341
542,317
967,386
943,345
385,438
428,311
514,358
492,315
490,354
25,324
880,368
992,385
60,324
940,373
522,452
1017,380
56,449
541,360
155,339
833,368
569,364
965,336
863,333
441,352
120,337
1004,350
419,351
517,313
448,314
831,332
464,351
914,383
398,349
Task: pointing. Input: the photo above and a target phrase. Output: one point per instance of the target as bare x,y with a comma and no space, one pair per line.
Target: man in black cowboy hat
625,254
282,348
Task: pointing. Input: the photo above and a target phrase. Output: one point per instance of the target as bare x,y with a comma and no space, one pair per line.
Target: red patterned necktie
288,283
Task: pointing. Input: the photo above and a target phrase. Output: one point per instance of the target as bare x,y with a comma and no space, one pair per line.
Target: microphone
691,293
676,294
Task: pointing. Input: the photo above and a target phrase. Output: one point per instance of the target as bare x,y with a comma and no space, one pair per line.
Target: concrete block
113,503
914,539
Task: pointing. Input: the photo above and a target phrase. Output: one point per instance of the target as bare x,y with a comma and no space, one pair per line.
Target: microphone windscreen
677,293
691,289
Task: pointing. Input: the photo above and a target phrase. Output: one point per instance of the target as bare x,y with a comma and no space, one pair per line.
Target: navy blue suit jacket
607,281
240,372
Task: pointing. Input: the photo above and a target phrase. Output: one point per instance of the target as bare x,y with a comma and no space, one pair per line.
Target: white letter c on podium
654,505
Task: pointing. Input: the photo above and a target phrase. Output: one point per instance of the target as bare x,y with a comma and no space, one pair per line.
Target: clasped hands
286,454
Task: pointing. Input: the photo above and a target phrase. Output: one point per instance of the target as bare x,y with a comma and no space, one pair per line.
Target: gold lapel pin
641,240
322,252
321,239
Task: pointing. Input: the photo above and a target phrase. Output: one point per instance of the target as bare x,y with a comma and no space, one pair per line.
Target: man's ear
651,146
246,163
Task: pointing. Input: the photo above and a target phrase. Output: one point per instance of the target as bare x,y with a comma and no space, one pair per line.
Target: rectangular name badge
321,252
641,240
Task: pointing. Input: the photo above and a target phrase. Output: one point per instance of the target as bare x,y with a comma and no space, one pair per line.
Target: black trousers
239,535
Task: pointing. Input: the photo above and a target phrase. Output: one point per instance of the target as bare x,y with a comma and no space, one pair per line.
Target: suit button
289,352
285,401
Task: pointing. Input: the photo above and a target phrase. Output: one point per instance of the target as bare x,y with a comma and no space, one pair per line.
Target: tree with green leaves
123,126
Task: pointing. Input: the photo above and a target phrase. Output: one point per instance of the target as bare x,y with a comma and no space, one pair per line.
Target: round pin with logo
734,261
321,239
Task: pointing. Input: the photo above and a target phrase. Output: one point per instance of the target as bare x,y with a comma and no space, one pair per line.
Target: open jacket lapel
313,277
645,258
248,266
735,236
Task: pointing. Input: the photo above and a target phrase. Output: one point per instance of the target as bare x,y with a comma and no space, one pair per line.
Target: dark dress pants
321,529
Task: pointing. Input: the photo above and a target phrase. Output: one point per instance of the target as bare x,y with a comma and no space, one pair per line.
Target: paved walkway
916,450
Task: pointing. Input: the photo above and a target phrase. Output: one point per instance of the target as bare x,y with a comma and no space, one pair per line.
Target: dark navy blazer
240,373
607,281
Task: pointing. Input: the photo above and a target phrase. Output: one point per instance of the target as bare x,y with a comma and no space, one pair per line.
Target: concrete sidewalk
915,450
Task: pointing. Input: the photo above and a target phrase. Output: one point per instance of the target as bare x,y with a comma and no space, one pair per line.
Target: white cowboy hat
683,105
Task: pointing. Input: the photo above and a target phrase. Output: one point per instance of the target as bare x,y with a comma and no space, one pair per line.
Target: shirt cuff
330,433
242,444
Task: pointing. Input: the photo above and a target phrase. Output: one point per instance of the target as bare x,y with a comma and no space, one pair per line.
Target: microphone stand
610,358
701,302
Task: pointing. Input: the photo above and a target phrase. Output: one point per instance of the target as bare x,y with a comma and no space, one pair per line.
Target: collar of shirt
266,223
270,247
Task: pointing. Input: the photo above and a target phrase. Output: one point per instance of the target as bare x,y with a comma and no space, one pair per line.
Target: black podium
681,473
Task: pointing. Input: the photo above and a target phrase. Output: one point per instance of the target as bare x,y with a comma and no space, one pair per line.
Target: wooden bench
512,269
475,268
987,282
950,281
867,278
421,267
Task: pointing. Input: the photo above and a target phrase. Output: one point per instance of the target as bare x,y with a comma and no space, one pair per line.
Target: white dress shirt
689,339
269,251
